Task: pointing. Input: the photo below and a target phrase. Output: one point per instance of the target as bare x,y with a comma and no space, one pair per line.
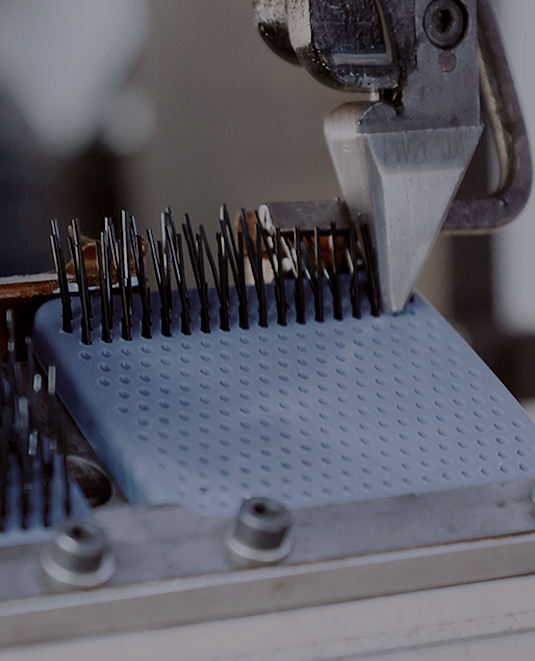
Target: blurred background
143,104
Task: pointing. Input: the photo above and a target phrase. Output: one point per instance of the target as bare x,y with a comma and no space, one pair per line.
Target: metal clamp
400,160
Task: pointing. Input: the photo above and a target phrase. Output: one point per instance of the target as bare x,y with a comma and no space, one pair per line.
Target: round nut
445,23
79,556
260,533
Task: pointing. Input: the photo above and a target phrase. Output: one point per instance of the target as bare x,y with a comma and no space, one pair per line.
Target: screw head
445,23
79,556
260,532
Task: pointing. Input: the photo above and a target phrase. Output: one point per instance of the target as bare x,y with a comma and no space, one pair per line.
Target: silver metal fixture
80,556
401,155
260,534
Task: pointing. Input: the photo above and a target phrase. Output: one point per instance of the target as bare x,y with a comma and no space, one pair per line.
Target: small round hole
443,20
264,509
80,534
91,479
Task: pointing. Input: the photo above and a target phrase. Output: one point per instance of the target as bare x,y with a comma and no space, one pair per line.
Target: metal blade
401,183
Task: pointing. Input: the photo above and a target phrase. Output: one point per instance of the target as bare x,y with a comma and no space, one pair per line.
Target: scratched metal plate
309,414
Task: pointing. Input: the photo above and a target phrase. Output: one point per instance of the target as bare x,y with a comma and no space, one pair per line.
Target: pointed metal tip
402,182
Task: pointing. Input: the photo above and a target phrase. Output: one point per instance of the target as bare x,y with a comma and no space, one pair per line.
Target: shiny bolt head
445,23
79,556
260,534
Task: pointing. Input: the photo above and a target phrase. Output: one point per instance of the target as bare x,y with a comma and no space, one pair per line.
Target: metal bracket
509,131
173,568
503,109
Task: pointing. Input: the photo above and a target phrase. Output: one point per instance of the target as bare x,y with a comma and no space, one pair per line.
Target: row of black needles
32,446
312,257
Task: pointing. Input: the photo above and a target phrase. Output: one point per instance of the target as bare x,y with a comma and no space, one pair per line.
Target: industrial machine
308,462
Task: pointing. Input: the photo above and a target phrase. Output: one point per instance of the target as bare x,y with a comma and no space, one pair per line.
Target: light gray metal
272,22
304,215
401,184
260,533
400,168
172,567
80,556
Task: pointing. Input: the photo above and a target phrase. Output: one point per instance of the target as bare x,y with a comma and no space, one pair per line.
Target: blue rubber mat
310,414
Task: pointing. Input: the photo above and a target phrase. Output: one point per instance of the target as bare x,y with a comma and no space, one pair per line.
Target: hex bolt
445,23
260,533
80,556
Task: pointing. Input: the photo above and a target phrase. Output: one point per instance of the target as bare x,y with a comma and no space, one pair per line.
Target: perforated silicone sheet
309,414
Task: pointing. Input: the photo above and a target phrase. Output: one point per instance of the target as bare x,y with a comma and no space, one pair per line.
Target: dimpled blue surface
309,414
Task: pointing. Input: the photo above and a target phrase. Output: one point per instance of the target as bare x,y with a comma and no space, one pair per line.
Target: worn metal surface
498,93
172,566
401,184
489,621
271,19
305,215
362,44
509,133
507,124
348,44
400,167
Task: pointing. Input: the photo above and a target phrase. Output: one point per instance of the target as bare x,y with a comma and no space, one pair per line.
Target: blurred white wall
235,123
63,67
514,246
63,61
